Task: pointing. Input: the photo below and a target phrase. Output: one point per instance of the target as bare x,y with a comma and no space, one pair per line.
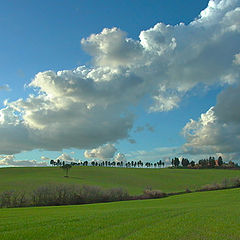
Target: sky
127,80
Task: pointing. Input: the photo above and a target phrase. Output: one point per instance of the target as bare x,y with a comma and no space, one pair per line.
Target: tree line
133,164
176,162
210,162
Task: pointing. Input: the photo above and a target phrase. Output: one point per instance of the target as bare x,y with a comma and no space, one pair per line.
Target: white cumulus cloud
217,130
66,158
120,157
88,107
9,160
104,152
237,59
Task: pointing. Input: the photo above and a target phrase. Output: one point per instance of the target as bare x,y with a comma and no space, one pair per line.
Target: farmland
207,215
133,180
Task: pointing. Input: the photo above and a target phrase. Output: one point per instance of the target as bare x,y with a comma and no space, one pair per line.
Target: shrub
117,194
13,199
60,194
226,183
235,182
55,194
89,194
154,193
187,190
210,187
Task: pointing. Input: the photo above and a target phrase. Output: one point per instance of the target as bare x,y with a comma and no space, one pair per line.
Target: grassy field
134,180
207,215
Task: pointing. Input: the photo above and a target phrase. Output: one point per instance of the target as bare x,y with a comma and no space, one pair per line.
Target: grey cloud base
217,130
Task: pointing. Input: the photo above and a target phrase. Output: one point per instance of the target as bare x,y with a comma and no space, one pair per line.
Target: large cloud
112,48
217,130
154,155
89,107
105,152
8,160
66,158
120,157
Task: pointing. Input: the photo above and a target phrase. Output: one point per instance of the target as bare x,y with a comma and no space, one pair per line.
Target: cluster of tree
147,164
60,164
185,162
134,164
211,162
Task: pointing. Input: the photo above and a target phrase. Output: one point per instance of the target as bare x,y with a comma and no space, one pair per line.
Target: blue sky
176,73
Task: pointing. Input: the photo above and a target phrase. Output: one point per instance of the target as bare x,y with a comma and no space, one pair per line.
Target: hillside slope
207,215
134,180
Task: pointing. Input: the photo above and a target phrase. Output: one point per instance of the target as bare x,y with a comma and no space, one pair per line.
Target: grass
207,215
133,180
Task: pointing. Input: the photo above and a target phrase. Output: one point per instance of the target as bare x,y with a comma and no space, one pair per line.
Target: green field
211,215
202,215
133,180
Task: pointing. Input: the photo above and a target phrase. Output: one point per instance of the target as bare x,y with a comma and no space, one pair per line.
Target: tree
231,164
66,168
192,163
160,163
220,161
59,162
203,162
176,162
52,162
185,162
211,161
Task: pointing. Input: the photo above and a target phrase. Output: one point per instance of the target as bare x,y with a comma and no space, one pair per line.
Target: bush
117,194
187,190
211,187
91,194
148,193
226,183
235,182
13,199
62,194
53,194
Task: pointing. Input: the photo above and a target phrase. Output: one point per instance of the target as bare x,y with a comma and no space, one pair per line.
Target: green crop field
133,180
203,215
211,215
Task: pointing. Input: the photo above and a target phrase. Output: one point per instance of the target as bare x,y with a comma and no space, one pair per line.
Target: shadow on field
80,178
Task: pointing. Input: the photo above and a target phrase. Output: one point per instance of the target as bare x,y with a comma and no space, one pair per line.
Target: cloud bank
217,130
105,152
162,153
86,107
8,160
